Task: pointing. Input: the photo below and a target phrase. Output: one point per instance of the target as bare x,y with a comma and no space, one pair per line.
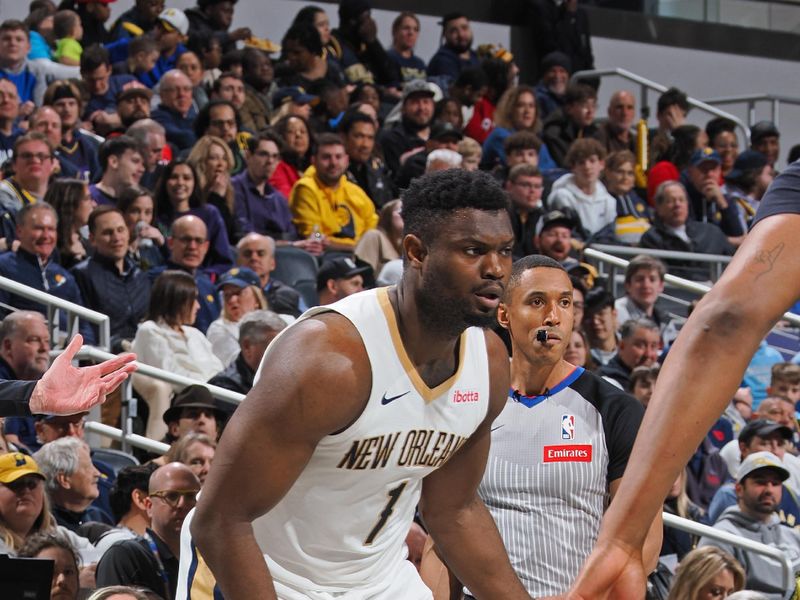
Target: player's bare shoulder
317,368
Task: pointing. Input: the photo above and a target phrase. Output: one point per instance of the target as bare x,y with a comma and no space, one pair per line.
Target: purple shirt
267,214
100,196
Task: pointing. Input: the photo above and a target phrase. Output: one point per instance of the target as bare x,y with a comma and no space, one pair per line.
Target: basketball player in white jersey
562,442
364,409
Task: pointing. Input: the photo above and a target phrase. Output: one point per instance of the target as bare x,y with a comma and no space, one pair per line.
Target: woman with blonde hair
196,451
707,573
380,245
678,503
213,161
517,110
24,508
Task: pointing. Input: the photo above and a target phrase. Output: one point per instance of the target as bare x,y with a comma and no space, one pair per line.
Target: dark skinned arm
462,528
700,375
269,441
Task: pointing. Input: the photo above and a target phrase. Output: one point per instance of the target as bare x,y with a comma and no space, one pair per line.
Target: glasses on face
222,122
178,88
64,426
24,483
30,156
269,155
247,253
187,239
173,497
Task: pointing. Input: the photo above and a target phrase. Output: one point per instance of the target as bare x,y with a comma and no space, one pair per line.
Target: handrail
102,321
133,439
716,261
729,538
646,84
678,282
751,99
156,373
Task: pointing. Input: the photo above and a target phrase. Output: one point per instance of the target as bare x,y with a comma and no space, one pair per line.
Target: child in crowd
470,152
68,32
142,57
171,32
785,382
643,381
582,191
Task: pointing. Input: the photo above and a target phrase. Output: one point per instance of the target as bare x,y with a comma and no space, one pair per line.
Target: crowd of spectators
161,168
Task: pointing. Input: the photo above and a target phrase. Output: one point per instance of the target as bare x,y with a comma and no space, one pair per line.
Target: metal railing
129,439
646,84
751,100
129,405
688,526
615,263
716,262
75,312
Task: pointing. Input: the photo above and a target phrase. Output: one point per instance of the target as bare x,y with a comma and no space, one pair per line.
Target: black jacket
124,297
131,562
618,371
373,177
237,377
282,298
704,238
559,132
395,142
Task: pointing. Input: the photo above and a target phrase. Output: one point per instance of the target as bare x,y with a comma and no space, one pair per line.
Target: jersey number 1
394,496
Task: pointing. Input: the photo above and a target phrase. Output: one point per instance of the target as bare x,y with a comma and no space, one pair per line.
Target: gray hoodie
764,574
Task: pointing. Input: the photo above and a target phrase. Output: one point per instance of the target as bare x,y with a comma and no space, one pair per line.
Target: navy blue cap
704,155
239,276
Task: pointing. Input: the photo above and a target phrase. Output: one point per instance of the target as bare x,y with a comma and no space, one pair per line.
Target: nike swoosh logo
496,428
386,400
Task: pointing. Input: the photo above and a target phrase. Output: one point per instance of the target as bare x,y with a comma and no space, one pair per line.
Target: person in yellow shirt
325,204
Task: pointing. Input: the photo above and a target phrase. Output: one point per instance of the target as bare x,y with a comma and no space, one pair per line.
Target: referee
560,445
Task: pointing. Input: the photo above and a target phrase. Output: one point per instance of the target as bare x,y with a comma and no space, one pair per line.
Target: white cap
761,460
175,18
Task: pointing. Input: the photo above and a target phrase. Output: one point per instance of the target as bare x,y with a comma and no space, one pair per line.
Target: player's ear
502,315
415,249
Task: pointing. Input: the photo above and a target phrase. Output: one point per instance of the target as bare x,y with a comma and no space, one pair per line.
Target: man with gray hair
71,482
674,230
25,355
256,330
639,345
152,138
442,159
176,112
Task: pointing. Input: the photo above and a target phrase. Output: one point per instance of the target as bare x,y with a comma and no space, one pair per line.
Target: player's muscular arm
652,544
271,438
458,521
701,374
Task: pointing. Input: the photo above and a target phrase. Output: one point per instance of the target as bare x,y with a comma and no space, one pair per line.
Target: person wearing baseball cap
747,182
339,278
759,491
22,502
171,32
758,435
241,293
702,180
414,128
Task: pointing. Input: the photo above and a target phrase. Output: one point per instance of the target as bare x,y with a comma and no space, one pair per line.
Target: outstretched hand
612,572
65,389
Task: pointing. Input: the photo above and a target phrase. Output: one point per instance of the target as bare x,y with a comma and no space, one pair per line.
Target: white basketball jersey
343,524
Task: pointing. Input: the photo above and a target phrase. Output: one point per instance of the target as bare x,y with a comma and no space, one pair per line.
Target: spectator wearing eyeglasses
524,186
151,561
176,111
33,164
258,206
188,245
257,252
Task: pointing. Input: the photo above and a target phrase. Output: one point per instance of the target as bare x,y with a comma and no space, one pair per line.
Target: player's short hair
525,264
433,198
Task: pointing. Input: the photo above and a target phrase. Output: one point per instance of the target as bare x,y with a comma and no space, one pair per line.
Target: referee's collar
531,401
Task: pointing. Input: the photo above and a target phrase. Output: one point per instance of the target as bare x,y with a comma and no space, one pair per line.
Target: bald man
145,560
615,132
188,245
257,252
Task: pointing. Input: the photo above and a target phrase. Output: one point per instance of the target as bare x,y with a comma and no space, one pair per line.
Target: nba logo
567,427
